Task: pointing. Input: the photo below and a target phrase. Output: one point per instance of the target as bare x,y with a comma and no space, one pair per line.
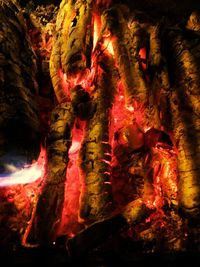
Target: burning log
136,211
135,85
186,70
138,38
159,78
186,134
193,22
161,95
155,47
95,155
117,25
81,102
54,67
71,53
185,118
73,25
50,203
96,234
19,120
149,194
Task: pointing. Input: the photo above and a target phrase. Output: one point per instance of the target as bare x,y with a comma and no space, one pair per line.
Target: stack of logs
161,96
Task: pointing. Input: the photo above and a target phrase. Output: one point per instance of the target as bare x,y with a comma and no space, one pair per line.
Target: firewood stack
134,83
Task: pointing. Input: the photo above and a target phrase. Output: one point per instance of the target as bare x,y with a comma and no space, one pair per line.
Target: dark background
159,7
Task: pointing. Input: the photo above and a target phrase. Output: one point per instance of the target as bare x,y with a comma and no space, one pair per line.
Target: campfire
100,127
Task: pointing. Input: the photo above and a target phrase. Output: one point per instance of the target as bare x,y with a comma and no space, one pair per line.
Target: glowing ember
109,46
70,224
74,147
143,55
97,28
28,174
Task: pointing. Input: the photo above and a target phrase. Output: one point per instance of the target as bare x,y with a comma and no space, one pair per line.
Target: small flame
97,27
64,82
74,147
130,108
109,46
28,174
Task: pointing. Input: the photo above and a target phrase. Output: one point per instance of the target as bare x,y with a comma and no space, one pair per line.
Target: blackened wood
155,46
139,38
186,69
186,133
19,112
159,78
50,202
133,79
71,53
75,19
55,72
81,102
161,96
135,87
96,197
75,34
95,235
136,211
184,101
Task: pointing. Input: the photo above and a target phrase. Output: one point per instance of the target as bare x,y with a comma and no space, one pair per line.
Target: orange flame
143,56
69,222
109,46
97,28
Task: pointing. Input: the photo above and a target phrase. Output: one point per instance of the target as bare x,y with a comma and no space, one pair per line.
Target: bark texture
95,155
186,123
19,112
50,201
73,42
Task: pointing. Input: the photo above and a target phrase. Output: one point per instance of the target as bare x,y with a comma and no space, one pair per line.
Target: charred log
133,79
50,202
55,67
134,83
138,38
74,25
19,121
185,117
186,69
136,211
95,155
154,47
81,103
96,234
186,133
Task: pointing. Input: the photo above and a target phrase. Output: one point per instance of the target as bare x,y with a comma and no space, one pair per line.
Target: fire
97,29
129,138
143,56
26,175
69,222
108,45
